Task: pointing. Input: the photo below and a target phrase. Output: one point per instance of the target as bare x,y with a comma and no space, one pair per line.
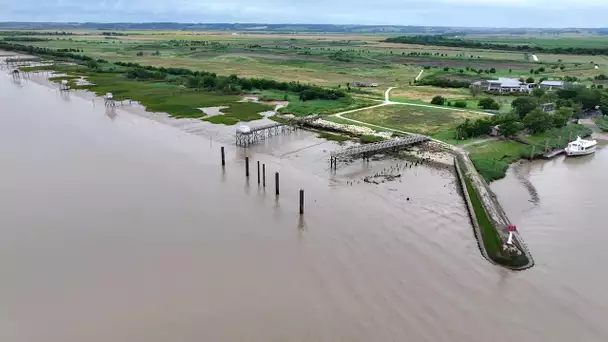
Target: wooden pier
246,138
554,153
366,151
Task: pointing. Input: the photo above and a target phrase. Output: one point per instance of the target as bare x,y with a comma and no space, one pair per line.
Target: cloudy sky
492,13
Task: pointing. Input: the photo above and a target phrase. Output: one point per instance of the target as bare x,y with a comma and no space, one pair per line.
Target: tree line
440,40
36,33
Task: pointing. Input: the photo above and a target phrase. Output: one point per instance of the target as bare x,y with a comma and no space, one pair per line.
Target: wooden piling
301,201
276,182
258,172
264,175
223,157
247,167
532,153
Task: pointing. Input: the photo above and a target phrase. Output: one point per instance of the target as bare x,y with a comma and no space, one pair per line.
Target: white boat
581,147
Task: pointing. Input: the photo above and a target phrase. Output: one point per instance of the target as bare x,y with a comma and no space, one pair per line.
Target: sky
470,13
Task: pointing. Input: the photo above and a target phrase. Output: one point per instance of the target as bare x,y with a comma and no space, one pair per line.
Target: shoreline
433,154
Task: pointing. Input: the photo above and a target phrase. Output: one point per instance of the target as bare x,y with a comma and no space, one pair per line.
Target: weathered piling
276,182
247,167
301,201
258,172
264,175
223,157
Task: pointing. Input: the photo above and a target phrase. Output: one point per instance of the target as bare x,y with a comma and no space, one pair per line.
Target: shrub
438,100
460,104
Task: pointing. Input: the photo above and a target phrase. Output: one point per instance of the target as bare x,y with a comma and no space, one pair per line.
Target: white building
551,85
505,85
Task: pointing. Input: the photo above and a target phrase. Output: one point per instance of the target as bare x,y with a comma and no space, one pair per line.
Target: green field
413,119
329,60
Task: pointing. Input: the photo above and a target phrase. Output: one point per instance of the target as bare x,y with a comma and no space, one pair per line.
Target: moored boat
581,147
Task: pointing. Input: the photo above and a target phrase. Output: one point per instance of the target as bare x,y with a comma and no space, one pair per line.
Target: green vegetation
492,158
333,137
415,119
370,139
602,123
456,42
490,238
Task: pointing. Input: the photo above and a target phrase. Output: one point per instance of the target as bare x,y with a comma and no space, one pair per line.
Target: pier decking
554,153
260,133
366,151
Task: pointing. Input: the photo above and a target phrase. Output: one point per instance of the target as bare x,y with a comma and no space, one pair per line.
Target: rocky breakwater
490,222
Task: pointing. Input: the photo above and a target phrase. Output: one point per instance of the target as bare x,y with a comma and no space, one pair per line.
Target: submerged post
264,175
223,157
247,167
532,153
258,172
276,182
301,201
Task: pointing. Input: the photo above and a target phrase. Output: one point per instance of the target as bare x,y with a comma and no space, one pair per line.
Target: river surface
117,227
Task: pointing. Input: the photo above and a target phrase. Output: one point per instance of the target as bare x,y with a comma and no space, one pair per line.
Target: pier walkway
260,133
366,151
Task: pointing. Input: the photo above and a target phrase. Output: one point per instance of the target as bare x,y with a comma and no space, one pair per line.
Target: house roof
506,82
552,83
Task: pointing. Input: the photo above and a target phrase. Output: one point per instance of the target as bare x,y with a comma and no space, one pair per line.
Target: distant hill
260,27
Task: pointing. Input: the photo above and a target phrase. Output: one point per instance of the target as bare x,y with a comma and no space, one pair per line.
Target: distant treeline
193,79
35,33
439,40
24,39
114,34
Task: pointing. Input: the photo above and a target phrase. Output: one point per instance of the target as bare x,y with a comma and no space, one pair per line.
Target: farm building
504,85
551,85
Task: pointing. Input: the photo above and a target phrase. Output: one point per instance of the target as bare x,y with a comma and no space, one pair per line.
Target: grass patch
602,123
492,158
370,139
64,78
305,108
333,137
423,120
491,240
174,100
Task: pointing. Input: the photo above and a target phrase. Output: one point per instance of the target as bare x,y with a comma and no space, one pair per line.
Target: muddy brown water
123,228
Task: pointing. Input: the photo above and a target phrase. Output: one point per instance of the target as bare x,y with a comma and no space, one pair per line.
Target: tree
510,128
475,90
438,100
538,121
561,116
588,98
538,92
488,103
530,80
492,71
524,105
604,103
